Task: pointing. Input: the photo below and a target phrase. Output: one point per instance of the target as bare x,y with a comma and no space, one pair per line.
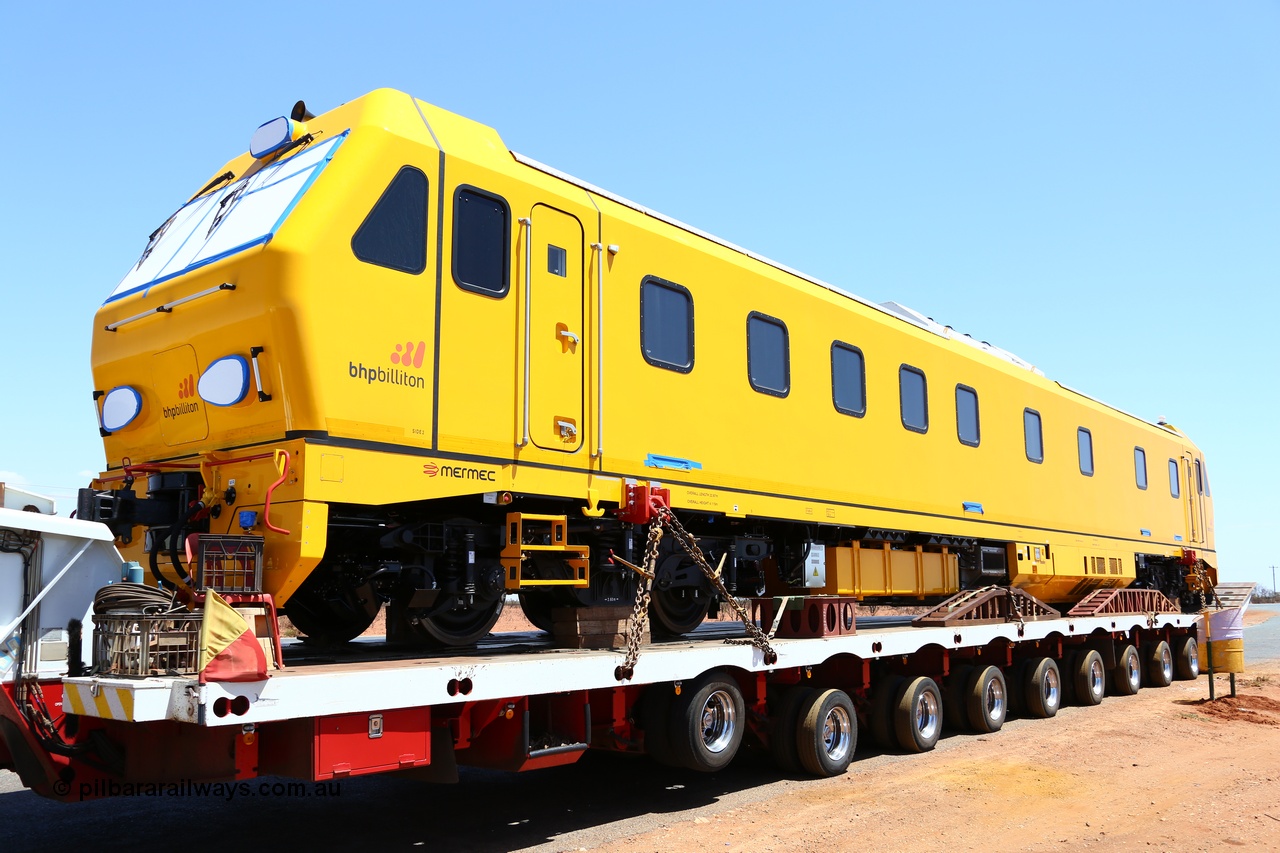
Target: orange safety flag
228,649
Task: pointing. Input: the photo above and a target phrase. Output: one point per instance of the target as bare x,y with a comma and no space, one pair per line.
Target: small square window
914,398
967,416
1084,445
666,324
1032,435
848,380
556,261
768,355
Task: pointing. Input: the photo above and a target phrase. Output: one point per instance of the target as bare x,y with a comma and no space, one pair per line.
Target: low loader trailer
104,685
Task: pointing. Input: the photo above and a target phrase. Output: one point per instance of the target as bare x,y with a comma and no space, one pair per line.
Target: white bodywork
72,561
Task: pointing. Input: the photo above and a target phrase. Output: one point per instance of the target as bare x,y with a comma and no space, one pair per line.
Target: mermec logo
460,472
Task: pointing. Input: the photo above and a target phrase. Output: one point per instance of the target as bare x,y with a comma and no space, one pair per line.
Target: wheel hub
719,721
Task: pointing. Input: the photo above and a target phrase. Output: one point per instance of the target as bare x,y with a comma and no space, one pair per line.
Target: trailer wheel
953,707
1089,678
1043,690
883,701
1015,678
917,719
655,718
707,723
986,700
1157,661
1126,677
782,728
827,733
1186,656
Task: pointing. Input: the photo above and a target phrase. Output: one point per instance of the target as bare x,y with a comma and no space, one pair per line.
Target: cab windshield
239,216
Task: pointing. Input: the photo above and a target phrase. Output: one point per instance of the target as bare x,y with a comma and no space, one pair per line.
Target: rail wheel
953,709
536,603
917,718
827,733
1186,657
678,611
707,722
987,700
1157,659
330,611
884,699
1089,678
1126,677
681,595
456,626
1043,690
655,718
782,729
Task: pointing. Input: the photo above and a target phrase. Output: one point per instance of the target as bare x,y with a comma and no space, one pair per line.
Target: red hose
266,507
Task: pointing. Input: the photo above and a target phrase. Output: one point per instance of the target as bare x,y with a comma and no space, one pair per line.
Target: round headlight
225,382
271,137
119,408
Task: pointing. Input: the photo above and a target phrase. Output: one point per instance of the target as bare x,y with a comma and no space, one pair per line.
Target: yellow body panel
391,387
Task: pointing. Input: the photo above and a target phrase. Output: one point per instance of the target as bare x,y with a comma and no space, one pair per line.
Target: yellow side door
556,347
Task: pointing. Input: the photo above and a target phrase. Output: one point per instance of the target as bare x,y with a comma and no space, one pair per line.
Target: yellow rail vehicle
425,369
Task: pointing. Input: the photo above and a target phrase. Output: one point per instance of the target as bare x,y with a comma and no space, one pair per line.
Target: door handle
567,429
565,333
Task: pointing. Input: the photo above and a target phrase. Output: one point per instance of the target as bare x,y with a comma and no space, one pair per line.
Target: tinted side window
967,415
394,234
1084,444
481,241
666,324
1199,478
768,355
1032,435
914,396
1173,478
848,379
1140,467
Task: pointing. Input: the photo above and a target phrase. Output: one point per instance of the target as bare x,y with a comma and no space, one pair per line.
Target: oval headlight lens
225,382
271,137
119,408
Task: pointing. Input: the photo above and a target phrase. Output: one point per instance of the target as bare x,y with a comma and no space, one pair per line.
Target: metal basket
227,562
139,644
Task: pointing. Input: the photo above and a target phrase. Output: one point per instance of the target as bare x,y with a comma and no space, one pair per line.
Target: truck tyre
1015,678
1043,690
1126,677
987,700
1089,678
1157,662
1186,658
827,733
782,728
707,722
883,701
953,706
917,718
655,718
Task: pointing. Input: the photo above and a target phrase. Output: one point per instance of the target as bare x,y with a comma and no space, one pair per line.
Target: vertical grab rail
599,342
527,223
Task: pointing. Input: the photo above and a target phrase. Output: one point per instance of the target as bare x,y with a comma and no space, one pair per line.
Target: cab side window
481,242
394,234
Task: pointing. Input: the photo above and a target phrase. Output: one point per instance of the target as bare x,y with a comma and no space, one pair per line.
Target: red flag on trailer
229,651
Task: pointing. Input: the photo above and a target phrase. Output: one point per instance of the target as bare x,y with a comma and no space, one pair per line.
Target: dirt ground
1163,770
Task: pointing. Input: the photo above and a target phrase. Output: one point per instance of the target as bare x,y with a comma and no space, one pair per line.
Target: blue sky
1093,186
